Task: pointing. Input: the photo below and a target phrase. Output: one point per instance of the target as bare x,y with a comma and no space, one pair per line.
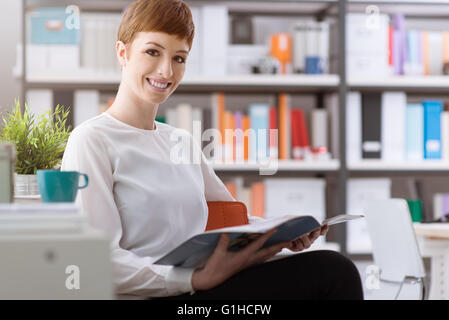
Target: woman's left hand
305,241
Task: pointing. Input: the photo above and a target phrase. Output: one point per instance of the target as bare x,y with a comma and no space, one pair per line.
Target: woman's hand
223,263
306,241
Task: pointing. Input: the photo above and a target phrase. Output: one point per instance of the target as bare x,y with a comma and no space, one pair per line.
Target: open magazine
195,251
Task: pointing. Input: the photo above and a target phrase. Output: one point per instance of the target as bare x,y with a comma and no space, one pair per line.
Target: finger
298,245
223,242
315,235
256,244
266,253
324,230
306,241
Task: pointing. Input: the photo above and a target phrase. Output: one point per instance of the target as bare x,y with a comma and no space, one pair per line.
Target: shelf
404,83
282,165
379,165
410,8
243,83
263,6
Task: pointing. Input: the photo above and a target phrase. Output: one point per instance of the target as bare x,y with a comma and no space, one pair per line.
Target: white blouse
143,198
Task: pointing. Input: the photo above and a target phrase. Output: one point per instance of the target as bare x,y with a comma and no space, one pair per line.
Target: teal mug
59,186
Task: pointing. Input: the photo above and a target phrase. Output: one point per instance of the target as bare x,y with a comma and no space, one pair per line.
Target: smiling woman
148,204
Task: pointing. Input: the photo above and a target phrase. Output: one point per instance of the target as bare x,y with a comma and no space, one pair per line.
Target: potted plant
40,142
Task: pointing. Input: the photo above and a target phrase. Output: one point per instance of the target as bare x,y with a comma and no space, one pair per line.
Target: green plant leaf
40,140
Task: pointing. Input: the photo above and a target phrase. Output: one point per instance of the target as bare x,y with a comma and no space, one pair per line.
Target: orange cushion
226,214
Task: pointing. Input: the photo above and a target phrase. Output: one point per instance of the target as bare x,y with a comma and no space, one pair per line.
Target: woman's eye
180,59
152,52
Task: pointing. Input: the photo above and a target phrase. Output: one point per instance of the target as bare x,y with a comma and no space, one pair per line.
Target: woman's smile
158,85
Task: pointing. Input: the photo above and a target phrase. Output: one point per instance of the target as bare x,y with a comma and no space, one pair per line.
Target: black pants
306,276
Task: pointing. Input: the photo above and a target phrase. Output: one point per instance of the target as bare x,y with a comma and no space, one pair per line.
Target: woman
148,205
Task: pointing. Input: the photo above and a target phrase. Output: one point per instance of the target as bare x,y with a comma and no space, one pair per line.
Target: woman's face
153,65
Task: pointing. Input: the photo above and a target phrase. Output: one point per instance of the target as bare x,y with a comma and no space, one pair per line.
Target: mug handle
86,181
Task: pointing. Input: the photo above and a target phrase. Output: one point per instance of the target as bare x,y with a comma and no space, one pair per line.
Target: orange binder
226,214
281,49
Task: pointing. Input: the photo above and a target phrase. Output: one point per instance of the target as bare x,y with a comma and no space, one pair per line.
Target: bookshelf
295,84
341,170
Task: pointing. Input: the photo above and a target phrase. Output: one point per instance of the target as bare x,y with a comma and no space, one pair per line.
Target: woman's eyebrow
157,44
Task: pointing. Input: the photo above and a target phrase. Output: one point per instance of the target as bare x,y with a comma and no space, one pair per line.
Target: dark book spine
371,126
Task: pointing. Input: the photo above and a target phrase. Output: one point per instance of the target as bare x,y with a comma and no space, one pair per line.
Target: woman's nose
165,68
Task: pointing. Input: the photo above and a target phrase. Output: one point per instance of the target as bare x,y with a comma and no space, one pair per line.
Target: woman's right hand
223,263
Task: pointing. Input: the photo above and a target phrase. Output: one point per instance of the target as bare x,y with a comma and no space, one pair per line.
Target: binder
259,117
284,126
371,126
393,126
353,127
432,129
414,132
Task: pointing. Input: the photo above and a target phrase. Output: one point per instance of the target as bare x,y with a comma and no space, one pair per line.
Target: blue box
52,26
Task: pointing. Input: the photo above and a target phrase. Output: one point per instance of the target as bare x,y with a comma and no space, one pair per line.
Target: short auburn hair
170,16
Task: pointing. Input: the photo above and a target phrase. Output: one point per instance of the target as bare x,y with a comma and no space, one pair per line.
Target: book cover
432,129
371,126
353,127
414,135
214,39
258,199
259,117
286,195
445,135
319,129
194,252
284,126
273,134
393,126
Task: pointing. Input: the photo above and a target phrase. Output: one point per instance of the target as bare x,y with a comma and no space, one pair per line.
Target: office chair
395,248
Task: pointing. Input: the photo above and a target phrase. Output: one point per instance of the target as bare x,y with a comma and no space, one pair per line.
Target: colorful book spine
284,127
259,115
432,129
273,134
258,199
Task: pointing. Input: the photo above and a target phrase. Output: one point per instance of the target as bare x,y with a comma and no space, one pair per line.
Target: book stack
311,42
261,133
391,129
386,47
55,45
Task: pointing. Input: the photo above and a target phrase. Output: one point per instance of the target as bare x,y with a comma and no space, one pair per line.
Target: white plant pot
25,185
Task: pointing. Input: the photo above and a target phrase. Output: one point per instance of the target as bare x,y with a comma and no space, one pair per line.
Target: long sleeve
88,153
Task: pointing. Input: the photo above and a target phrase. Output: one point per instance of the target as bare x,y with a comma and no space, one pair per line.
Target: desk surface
432,230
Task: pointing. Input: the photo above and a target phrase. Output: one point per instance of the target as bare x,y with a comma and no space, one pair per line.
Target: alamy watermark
72,281
372,20
372,281
72,20
227,149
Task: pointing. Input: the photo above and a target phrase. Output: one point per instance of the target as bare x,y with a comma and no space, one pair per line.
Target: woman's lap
309,275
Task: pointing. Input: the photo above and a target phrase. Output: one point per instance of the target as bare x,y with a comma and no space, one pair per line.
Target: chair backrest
226,214
395,248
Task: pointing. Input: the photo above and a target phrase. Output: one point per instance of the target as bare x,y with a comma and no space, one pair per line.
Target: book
414,132
194,252
393,125
432,129
371,126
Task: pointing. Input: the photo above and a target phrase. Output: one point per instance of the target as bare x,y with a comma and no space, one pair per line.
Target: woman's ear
120,49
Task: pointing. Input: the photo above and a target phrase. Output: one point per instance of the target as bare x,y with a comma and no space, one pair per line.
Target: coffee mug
59,186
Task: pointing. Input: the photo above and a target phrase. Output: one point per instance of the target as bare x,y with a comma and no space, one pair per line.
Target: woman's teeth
158,85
